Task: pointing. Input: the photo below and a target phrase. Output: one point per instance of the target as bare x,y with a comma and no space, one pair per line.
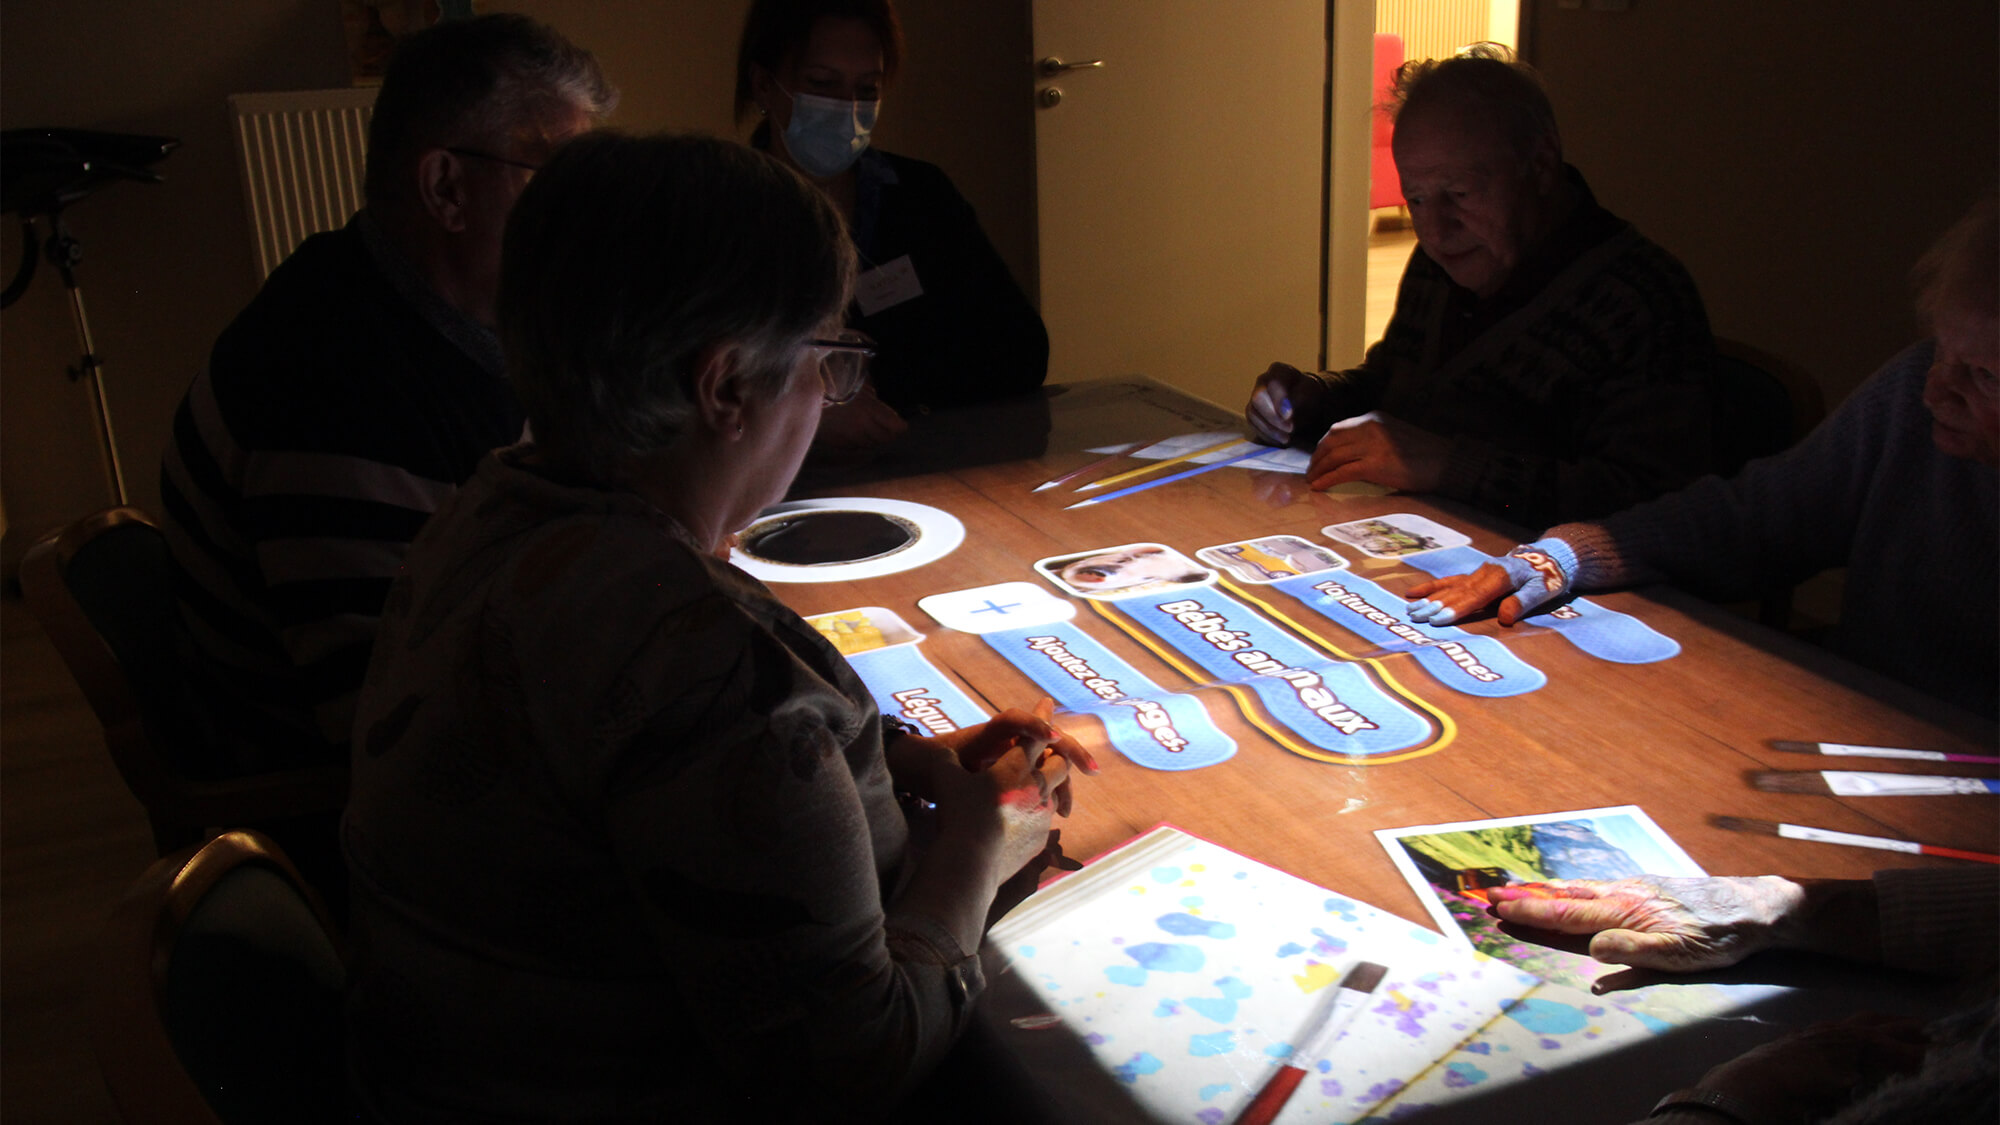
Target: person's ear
718,389
441,188
764,90
1545,165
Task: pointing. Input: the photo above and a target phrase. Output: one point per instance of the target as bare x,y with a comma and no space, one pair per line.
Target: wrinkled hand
864,424
1655,922
1388,451
980,747
1281,392
1529,575
1810,1074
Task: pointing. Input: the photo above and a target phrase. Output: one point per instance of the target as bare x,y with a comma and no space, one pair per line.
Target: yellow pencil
1128,475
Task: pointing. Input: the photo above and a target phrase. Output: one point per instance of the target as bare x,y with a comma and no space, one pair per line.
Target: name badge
886,286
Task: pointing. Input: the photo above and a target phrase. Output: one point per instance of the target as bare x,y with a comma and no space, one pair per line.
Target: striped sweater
338,410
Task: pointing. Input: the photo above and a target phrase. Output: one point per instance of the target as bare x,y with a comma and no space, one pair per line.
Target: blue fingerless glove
1539,571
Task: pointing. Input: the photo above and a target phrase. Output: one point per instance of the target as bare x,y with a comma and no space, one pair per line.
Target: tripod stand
65,253
43,171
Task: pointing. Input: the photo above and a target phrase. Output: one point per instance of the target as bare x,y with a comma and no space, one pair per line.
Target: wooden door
1181,188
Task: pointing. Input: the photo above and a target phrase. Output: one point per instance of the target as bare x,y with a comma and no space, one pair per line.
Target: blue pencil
1254,451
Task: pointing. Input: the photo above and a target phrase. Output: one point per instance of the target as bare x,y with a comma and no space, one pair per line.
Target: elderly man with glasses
1545,361
359,389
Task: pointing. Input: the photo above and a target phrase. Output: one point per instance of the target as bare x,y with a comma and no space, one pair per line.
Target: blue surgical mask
827,135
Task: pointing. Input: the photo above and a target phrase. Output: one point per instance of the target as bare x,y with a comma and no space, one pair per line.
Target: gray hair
479,81
1485,78
627,258
1961,271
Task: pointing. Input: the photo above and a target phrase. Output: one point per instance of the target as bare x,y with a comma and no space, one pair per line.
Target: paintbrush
1849,783
1844,750
1829,836
1355,988
1123,450
1120,478
1128,490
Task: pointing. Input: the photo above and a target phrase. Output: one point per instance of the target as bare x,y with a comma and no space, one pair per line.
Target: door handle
1052,66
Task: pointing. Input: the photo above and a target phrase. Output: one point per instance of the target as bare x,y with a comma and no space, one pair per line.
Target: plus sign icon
994,609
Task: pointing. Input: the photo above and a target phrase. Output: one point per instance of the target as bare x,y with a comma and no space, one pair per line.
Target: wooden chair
102,590
219,992
1768,404
1385,184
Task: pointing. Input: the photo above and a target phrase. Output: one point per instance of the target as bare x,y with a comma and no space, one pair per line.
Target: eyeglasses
843,366
473,152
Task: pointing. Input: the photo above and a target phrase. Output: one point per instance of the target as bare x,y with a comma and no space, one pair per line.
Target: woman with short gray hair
627,840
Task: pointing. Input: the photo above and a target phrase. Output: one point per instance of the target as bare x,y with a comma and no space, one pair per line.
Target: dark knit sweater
1943,921
1582,387
336,412
970,335
1918,530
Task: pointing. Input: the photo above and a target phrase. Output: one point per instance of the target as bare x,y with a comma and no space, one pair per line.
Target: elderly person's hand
1528,576
1006,777
979,747
1656,922
1386,451
1282,391
1813,1073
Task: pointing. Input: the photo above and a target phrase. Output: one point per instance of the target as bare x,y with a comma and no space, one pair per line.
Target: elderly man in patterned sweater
1545,361
358,390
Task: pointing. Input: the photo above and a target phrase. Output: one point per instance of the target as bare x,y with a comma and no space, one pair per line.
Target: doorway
1404,30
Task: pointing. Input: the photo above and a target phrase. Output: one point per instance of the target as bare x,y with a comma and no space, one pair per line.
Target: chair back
102,589
1385,184
1764,403
220,992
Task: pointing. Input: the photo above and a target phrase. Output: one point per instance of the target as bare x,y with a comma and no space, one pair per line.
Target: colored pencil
1849,783
1844,750
1120,478
1259,451
1849,839
1355,988
1129,447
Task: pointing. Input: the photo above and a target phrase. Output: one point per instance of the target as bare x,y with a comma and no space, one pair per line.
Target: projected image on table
1270,558
1124,572
883,650
1035,631
855,631
843,539
1395,536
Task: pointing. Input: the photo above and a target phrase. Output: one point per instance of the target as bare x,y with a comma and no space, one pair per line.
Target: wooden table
1674,737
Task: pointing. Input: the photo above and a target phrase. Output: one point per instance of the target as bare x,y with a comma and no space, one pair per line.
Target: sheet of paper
1193,973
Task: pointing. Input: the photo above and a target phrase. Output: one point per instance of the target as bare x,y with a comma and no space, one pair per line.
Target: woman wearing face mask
950,325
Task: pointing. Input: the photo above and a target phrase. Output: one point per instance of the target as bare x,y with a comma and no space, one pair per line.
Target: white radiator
303,155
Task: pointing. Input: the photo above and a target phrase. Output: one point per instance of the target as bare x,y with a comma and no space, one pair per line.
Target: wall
164,266
1798,156
167,266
